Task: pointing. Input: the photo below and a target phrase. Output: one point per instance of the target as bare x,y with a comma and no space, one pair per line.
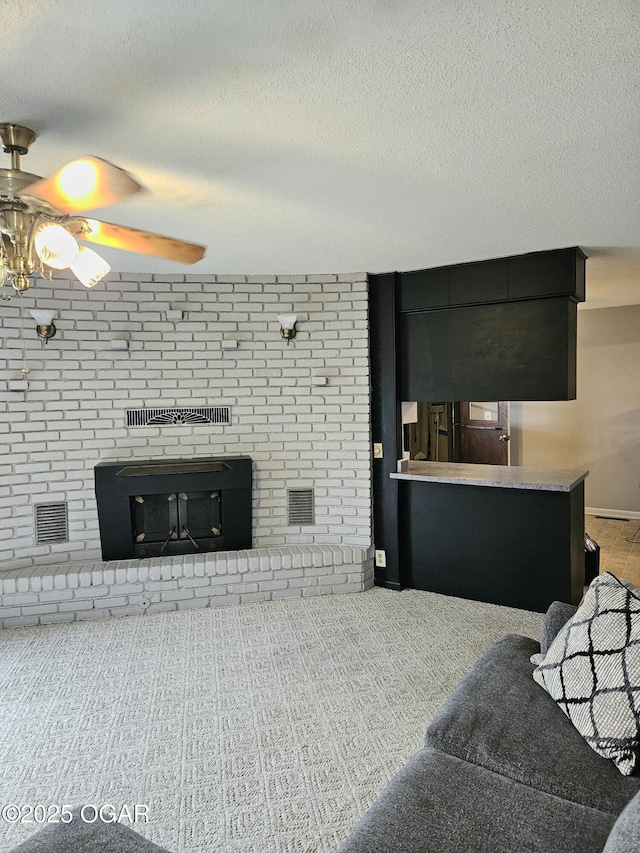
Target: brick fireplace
166,507
299,412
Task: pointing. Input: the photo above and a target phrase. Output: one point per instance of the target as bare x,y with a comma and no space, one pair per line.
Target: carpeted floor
260,727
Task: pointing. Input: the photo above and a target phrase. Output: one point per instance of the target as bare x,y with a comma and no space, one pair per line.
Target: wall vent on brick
171,417
300,509
52,524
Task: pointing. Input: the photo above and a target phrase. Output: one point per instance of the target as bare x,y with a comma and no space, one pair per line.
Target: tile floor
618,556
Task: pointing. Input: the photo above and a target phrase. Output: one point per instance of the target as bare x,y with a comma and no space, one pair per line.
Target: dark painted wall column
386,420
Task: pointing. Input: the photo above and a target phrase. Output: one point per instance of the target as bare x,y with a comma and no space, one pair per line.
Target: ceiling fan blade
144,242
84,184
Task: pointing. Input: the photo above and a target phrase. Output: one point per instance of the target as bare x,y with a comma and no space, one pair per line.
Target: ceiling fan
40,226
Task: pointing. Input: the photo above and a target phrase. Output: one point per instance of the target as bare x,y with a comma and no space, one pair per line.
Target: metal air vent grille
175,417
52,523
300,508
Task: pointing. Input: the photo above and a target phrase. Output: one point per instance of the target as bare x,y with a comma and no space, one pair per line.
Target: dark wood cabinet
498,351
501,329
519,547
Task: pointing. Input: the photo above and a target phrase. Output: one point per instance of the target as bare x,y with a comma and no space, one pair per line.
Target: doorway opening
445,431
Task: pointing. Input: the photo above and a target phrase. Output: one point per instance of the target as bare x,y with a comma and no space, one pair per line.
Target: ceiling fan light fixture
89,267
78,180
38,228
55,246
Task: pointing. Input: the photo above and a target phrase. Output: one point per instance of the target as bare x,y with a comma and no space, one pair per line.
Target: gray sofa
503,770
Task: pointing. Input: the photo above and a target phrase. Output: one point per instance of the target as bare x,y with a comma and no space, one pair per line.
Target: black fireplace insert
173,506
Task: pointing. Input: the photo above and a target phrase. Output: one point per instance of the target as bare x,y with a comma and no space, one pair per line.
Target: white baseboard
611,513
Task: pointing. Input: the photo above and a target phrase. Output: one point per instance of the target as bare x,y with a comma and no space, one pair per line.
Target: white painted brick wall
73,414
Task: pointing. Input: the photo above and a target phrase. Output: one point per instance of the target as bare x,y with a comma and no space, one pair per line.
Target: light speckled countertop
498,476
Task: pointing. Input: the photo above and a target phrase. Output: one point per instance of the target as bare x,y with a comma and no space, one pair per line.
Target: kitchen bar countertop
497,476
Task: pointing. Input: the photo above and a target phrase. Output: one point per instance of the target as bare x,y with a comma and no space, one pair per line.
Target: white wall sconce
288,326
44,320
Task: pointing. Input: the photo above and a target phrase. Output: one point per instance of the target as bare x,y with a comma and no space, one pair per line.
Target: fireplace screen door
176,522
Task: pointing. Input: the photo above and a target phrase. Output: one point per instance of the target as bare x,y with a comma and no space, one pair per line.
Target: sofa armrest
556,616
626,830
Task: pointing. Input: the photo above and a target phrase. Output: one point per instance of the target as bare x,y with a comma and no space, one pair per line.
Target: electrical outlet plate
381,559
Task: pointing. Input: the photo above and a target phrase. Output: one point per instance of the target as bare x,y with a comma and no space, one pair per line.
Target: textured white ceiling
297,136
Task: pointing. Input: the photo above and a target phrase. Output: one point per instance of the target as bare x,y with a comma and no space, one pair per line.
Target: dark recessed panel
556,273
506,351
485,281
423,289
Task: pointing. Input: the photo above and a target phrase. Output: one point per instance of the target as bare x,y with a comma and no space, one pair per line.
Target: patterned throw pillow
592,670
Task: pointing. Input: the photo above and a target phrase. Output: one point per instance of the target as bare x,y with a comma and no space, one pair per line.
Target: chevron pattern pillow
592,670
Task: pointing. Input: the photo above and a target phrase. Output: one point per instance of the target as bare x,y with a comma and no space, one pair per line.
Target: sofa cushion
592,670
555,618
499,718
625,835
79,836
440,804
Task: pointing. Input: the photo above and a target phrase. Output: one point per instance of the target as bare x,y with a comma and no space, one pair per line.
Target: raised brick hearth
66,593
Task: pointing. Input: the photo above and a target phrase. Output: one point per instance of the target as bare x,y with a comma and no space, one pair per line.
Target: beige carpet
259,727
